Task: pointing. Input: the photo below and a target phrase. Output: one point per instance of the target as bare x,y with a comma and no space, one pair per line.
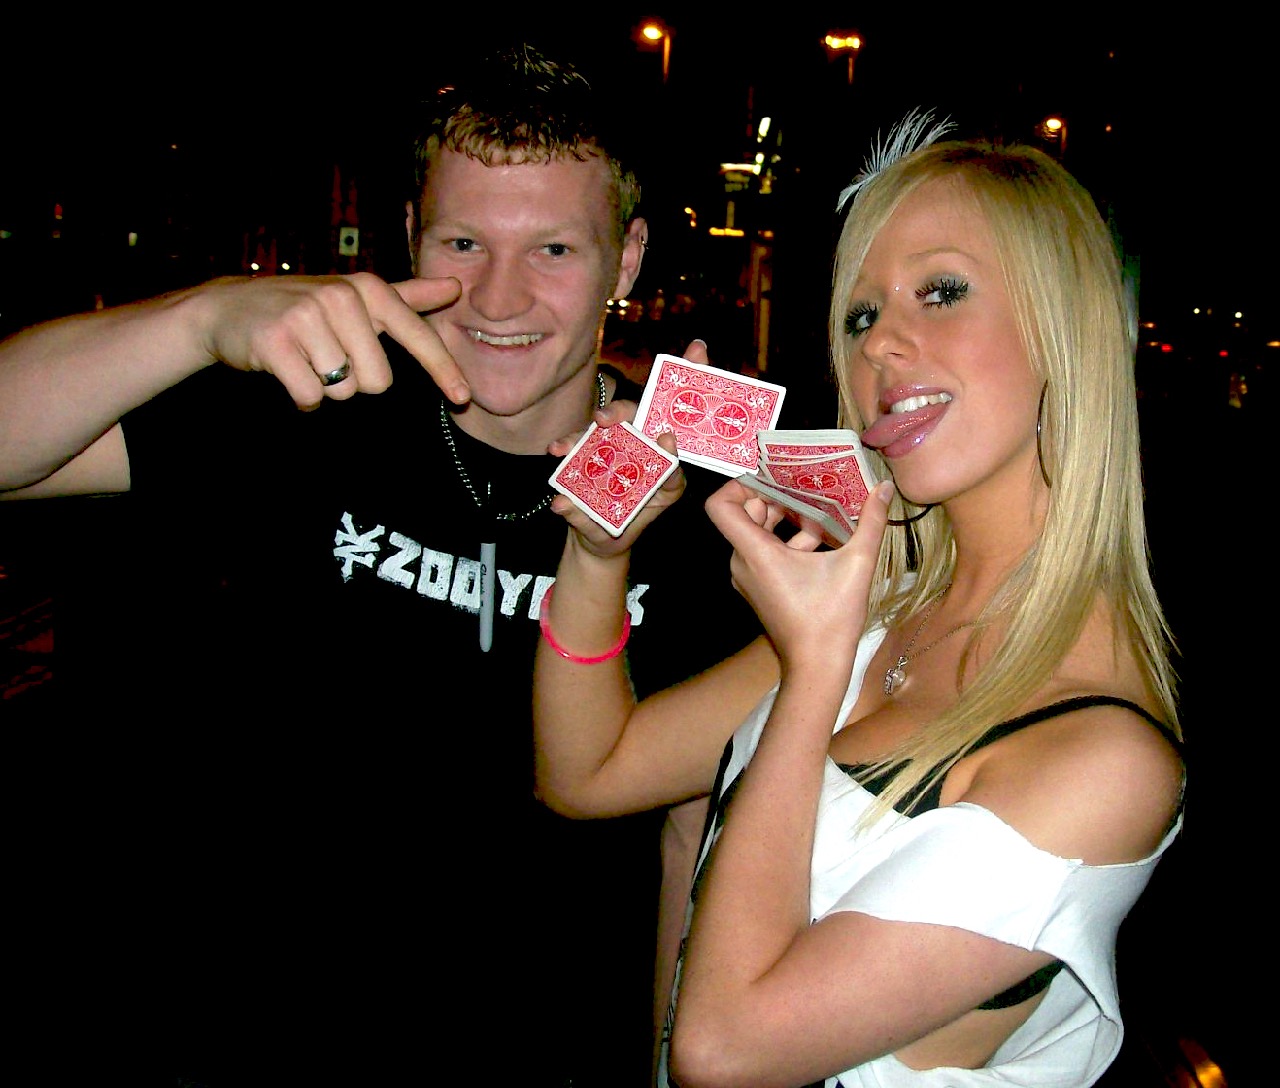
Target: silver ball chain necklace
896,675
446,428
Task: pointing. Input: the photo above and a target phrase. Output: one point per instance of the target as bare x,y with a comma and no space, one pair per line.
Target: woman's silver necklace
446,427
896,675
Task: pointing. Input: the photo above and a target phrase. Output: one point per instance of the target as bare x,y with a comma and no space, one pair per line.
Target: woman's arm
598,752
813,604
681,838
754,901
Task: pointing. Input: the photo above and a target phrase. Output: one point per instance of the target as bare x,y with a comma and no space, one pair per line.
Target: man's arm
65,385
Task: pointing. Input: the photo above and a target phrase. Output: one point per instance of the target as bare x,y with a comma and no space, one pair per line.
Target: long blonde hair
1077,326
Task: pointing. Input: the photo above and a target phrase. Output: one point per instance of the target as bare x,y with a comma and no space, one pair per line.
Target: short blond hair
518,106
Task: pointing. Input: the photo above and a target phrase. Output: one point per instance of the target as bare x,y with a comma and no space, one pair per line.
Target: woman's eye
945,292
860,319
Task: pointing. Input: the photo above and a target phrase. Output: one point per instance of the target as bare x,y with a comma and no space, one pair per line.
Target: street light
653,32
1055,129
844,41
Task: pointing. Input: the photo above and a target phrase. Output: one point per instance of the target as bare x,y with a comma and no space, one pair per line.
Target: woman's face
937,367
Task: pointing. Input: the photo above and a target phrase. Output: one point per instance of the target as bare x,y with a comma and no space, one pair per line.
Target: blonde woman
945,776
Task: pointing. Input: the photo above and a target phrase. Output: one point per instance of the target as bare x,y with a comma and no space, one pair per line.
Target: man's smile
512,340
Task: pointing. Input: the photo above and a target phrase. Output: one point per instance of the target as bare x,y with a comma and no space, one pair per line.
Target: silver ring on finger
335,376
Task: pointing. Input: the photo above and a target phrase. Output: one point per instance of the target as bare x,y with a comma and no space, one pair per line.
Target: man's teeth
912,403
519,340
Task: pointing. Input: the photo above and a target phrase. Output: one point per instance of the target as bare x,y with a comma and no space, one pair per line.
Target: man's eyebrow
548,231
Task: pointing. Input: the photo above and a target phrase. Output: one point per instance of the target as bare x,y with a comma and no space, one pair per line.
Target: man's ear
633,247
411,231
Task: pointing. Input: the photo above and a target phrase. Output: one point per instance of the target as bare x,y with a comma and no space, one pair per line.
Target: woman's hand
808,600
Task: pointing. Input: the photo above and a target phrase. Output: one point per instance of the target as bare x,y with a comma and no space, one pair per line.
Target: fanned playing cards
725,422
820,477
611,473
714,414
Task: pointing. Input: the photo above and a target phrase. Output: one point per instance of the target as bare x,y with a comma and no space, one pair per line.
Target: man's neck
564,412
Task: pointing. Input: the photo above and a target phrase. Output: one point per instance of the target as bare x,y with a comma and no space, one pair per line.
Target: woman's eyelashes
859,319
944,291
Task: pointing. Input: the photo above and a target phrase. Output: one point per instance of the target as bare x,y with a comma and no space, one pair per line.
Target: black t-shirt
345,775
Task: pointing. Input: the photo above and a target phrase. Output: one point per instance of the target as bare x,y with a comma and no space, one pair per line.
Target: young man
321,815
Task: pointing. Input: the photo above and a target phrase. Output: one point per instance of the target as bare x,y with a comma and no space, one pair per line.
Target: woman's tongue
892,427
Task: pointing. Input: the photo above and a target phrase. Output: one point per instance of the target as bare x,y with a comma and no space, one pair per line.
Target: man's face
535,249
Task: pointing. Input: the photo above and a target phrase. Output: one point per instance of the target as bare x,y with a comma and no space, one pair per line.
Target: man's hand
618,410
319,335
696,352
592,537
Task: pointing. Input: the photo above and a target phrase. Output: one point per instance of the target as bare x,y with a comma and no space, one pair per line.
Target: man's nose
501,290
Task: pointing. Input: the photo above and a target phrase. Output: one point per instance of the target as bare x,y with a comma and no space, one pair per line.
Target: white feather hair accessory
914,131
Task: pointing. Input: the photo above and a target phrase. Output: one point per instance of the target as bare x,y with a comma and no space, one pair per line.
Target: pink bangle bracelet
613,650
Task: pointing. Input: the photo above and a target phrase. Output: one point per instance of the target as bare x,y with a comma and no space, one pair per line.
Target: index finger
403,323
727,509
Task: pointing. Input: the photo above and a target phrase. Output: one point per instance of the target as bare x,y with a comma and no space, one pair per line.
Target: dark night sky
255,103
258,109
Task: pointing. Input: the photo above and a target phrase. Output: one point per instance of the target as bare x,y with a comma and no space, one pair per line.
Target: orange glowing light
847,42
653,32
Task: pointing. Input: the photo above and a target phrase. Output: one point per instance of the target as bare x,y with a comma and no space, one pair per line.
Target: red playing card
802,453
839,478
611,473
814,513
806,445
714,414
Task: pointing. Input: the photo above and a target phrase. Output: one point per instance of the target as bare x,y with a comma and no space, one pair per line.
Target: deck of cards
611,473
820,477
724,422
714,414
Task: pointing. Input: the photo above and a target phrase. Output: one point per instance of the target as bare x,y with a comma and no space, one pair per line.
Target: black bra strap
1068,706
923,799
1028,987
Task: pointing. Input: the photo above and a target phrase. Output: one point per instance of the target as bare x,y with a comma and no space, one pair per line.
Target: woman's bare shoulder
1100,783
